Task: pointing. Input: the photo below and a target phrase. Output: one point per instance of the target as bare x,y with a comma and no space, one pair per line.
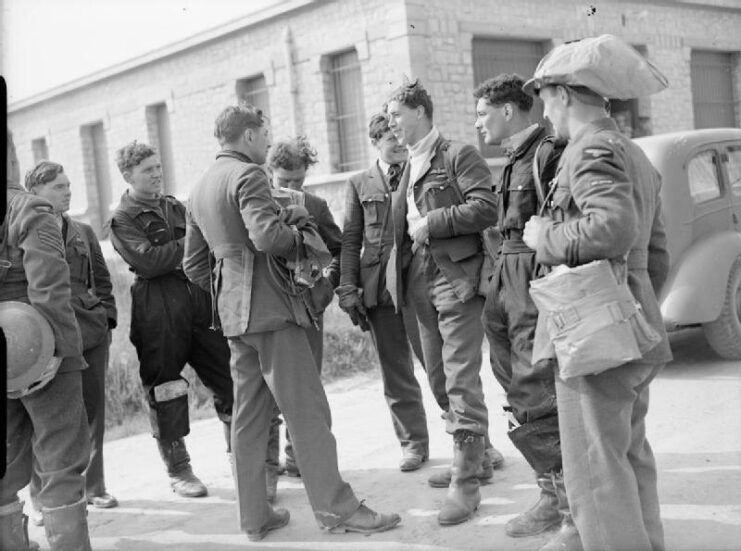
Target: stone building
322,67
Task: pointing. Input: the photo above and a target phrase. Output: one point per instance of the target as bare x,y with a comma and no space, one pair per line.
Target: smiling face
146,177
408,125
491,121
56,191
389,149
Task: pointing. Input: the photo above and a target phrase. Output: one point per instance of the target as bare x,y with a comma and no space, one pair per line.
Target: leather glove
350,302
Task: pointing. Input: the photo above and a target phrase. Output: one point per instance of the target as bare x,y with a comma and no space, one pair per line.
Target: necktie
394,175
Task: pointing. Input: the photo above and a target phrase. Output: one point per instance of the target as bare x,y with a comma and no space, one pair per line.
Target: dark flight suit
609,468
170,316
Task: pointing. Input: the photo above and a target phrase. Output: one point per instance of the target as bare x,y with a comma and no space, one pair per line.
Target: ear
508,111
564,95
126,176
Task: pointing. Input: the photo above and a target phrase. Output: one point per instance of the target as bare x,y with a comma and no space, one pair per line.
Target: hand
350,302
420,233
295,215
532,234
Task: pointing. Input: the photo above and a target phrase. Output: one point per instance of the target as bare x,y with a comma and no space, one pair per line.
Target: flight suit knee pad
168,410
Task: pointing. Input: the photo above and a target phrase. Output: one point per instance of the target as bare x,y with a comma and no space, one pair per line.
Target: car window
702,174
733,168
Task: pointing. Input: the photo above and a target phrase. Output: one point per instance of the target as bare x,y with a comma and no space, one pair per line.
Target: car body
701,197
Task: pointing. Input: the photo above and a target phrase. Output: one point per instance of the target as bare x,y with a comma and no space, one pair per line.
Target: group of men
420,266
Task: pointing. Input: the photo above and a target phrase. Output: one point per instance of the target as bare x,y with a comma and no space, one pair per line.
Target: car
701,198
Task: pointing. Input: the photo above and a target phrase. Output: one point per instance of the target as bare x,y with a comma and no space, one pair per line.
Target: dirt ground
694,426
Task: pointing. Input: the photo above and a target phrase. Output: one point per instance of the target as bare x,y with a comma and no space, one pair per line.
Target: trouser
509,318
277,366
49,425
170,326
401,389
609,468
451,334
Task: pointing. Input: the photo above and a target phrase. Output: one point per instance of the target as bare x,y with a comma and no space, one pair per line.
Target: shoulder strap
444,147
545,161
85,239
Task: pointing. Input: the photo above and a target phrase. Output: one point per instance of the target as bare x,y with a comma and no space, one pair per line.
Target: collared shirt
512,143
420,154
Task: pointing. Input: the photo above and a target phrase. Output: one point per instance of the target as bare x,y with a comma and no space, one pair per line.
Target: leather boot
541,516
567,538
228,436
463,494
493,459
66,527
177,461
14,528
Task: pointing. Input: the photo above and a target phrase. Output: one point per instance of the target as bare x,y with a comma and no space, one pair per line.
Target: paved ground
694,426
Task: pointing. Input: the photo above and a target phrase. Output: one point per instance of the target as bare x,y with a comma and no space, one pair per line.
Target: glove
295,215
352,305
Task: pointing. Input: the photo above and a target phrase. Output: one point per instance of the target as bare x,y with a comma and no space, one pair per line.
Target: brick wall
431,39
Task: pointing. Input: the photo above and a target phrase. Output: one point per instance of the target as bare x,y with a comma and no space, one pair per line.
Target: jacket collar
605,123
232,154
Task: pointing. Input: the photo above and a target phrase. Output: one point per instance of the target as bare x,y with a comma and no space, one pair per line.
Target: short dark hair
43,173
234,120
412,94
132,154
292,154
504,88
378,127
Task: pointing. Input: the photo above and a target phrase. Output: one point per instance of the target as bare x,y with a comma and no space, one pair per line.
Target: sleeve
658,254
331,234
103,285
261,217
352,237
603,193
196,255
145,259
479,208
47,273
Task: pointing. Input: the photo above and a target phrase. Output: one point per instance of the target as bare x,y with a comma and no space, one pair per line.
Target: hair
412,94
234,120
378,126
43,173
504,88
132,154
292,154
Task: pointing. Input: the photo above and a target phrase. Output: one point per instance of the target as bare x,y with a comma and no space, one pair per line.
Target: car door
731,161
711,206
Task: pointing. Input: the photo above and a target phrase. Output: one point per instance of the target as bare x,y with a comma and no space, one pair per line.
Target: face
406,123
491,121
146,177
555,101
291,179
57,192
257,143
390,150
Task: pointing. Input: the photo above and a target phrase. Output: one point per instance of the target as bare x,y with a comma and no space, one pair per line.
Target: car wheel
724,334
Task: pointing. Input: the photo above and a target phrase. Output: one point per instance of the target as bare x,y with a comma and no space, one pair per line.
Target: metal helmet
31,363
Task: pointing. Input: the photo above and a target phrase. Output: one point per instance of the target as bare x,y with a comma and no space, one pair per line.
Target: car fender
696,286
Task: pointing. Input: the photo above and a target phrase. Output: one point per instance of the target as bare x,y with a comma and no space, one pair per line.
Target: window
158,130
347,116
702,174
493,56
632,116
40,150
732,160
254,91
712,89
97,176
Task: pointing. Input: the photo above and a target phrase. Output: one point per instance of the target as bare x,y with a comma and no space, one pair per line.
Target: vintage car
701,195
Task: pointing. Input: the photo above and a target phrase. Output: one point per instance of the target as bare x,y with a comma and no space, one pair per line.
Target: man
364,297
606,205
234,219
170,317
95,311
49,422
503,118
437,254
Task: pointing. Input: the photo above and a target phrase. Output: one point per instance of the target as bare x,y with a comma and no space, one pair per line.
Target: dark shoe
366,521
566,539
542,516
14,528
66,527
278,519
411,461
105,501
271,483
186,484
463,497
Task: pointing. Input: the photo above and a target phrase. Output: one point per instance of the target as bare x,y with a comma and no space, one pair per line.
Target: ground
694,425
